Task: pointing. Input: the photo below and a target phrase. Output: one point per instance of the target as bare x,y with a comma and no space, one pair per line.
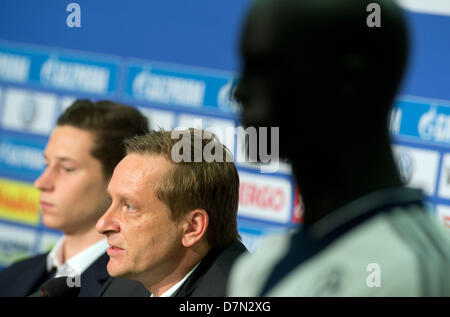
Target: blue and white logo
168,89
405,167
28,112
226,100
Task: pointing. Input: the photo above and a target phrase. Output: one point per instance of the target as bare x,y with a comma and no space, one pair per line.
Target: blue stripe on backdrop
429,66
201,32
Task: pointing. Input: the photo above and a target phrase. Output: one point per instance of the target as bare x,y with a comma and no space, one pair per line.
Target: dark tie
51,274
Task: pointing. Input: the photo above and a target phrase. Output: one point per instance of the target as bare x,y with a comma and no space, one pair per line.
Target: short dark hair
110,123
211,186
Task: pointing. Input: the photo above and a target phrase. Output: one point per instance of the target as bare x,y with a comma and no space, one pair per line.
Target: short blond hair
212,186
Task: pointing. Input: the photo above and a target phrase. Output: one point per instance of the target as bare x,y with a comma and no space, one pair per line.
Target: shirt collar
389,197
52,257
171,291
77,264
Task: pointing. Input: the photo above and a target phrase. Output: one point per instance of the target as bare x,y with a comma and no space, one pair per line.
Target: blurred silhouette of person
320,72
172,224
80,157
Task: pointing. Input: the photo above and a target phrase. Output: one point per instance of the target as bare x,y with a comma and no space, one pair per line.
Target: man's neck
164,285
332,184
181,268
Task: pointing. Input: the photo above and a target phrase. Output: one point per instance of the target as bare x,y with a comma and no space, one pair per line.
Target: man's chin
115,271
119,272
52,223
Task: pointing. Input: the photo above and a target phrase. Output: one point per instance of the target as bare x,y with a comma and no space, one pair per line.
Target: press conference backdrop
177,61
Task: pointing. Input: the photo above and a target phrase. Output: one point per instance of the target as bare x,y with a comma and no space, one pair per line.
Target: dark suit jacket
24,278
210,278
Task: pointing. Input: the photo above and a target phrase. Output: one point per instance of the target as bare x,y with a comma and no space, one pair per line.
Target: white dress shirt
171,291
76,265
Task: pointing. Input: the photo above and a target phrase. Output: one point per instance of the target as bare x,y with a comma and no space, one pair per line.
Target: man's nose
108,223
45,182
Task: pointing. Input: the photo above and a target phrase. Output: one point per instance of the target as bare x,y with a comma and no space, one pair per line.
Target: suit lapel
94,277
33,278
210,277
191,283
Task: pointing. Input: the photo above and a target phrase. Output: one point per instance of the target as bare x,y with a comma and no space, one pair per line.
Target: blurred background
177,61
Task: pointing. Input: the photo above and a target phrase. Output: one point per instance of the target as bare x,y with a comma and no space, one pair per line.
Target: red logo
261,196
299,208
447,221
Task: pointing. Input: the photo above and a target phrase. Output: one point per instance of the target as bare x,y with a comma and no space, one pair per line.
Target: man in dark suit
80,156
23,278
208,280
172,224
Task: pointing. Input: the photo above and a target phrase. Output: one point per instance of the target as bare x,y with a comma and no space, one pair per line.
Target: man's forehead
69,142
129,187
137,170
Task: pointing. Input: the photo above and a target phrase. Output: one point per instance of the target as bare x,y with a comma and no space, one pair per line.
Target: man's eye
129,207
69,169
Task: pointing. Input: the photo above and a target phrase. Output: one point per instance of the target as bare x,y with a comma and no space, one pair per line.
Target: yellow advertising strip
19,202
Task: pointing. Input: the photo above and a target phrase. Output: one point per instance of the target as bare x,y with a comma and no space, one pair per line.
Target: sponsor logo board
444,181
19,202
48,241
425,120
14,68
443,215
83,73
21,156
181,86
28,111
16,243
265,198
159,118
74,75
418,168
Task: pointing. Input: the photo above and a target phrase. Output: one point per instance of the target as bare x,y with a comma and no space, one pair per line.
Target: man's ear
195,224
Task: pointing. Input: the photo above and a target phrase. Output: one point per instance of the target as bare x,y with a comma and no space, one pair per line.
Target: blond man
172,224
